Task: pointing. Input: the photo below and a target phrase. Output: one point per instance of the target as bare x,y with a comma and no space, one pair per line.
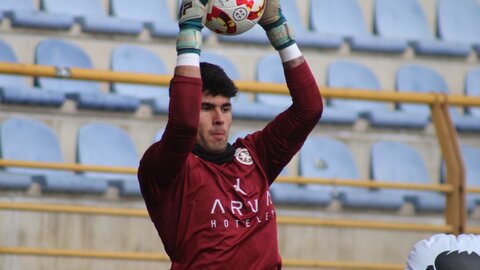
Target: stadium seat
23,13
418,78
29,140
347,74
472,88
87,94
329,158
154,14
14,89
106,145
132,58
458,21
406,20
471,159
344,18
295,194
92,17
303,36
398,162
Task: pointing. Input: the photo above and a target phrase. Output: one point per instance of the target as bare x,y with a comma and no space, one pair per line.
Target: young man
209,200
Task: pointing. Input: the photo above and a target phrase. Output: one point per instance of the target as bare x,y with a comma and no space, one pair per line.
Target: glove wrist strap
281,36
189,40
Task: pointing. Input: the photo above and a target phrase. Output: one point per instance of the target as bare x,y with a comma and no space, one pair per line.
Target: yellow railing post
455,212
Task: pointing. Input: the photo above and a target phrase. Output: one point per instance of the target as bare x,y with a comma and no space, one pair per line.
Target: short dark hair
216,81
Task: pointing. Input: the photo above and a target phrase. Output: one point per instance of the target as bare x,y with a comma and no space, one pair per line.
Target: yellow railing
455,216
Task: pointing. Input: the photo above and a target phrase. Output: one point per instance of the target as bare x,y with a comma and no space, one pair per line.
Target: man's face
215,121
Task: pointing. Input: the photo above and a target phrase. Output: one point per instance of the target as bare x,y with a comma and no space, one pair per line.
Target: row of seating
396,24
132,58
391,161
107,145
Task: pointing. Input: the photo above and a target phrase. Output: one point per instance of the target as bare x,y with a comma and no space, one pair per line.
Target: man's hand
190,22
278,31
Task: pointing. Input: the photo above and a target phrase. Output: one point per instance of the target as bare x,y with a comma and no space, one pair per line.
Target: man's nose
218,117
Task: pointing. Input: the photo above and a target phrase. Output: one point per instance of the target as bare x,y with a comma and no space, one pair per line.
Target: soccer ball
233,17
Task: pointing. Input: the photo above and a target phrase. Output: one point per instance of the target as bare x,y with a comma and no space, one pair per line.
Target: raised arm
285,135
163,160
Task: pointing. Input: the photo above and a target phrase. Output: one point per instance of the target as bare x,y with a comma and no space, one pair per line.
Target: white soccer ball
233,17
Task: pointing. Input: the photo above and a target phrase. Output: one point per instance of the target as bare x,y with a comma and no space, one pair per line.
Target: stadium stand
269,69
471,158
458,21
419,78
344,18
92,17
132,58
153,14
29,140
23,13
87,94
392,161
347,74
106,145
406,20
15,90
295,194
304,36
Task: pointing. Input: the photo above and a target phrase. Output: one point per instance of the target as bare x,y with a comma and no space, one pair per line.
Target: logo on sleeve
243,156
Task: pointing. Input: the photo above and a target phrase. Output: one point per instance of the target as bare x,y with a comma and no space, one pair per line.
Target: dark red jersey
212,216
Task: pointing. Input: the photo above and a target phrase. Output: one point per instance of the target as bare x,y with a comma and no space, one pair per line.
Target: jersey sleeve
163,160
283,137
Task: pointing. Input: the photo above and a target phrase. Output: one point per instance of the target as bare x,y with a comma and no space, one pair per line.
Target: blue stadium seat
270,69
87,94
303,36
458,21
154,14
471,157
406,20
132,58
92,17
295,194
346,74
344,18
28,140
398,162
472,88
23,13
14,89
329,158
418,78
106,145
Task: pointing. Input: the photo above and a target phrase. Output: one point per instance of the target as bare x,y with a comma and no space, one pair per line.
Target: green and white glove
280,34
190,22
